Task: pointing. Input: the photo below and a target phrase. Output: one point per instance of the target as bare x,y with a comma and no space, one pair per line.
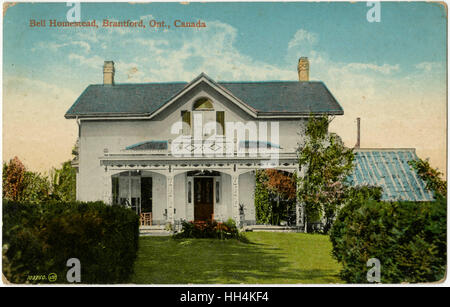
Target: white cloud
181,58
384,69
429,66
54,47
88,34
153,45
95,62
147,17
83,45
302,37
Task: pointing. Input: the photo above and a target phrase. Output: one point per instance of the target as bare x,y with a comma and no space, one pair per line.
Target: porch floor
154,230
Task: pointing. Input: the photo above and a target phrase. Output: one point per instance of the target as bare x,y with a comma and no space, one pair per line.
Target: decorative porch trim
170,198
235,198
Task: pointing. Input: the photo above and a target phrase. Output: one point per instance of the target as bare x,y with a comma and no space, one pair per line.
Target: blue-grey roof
283,97
149,145
389,169
126,99
286,96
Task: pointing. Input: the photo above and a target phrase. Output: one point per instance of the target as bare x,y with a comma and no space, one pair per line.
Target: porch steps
272,228
156,230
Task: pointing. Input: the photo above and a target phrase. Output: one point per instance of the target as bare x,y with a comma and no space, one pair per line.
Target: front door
146,194
203,199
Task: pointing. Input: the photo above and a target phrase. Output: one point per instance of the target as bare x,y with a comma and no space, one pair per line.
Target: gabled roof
123,99
286,96
389,169
258,98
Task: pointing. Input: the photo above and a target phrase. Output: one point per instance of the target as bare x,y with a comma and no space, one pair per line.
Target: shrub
409,239
431,176
210,229
39,239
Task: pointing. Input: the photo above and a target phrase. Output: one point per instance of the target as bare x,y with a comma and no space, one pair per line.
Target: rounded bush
409,239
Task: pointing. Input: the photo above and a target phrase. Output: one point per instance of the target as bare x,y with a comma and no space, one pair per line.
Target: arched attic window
203,104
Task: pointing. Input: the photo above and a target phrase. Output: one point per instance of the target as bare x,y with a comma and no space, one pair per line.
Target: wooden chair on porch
146,219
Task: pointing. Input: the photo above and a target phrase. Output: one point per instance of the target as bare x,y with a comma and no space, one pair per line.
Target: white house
190,150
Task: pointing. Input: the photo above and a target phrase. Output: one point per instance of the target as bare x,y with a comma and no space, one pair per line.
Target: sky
391,73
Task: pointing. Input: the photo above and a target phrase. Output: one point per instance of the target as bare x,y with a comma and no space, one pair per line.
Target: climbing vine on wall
263,206
275,196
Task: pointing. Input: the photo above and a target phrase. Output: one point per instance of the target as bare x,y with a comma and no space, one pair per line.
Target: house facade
189,151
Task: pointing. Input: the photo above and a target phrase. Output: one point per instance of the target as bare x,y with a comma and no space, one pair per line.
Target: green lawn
270,258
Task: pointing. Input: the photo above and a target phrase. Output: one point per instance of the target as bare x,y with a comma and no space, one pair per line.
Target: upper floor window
203,104
220,123
186,120
200,105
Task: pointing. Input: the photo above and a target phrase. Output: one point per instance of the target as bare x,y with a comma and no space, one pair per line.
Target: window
217,192
149,145
203,104
220,122
202,110
115,190
126,190
186,120
189,192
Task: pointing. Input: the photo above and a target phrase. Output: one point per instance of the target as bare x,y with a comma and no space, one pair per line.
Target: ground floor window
131,190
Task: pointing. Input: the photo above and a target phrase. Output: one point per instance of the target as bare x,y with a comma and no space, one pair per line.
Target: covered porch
165,190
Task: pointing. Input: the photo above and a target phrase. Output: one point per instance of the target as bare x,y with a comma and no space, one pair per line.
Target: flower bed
209,229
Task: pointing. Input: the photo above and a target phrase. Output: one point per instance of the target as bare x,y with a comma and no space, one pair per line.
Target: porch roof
151,161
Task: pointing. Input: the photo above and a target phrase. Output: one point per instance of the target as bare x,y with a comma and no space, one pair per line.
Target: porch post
235,198
170,197
299,206
107,187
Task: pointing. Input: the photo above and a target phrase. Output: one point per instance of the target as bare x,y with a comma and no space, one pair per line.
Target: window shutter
220,120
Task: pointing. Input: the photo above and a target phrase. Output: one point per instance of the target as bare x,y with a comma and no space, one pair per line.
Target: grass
270,258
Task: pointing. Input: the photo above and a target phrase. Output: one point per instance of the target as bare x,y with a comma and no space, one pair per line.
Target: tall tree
22,185
36,188
13,177
64,182
326,163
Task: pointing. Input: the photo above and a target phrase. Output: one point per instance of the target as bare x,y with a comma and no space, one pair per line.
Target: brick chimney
303,69
108,73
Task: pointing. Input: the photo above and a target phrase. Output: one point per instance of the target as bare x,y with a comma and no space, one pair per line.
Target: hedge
409,239
38,239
